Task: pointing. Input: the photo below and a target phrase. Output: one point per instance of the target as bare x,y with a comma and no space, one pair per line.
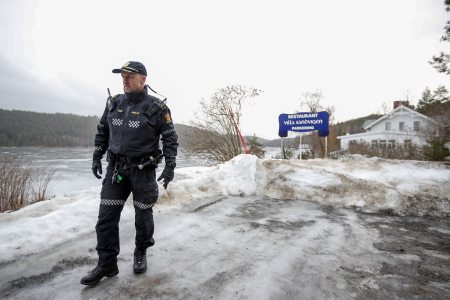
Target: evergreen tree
442,62
440,95
435,150
425,101
289,152
255,147
434,104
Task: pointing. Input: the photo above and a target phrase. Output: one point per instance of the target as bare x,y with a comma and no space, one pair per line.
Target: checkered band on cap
142,205
133,124
117,122
113,202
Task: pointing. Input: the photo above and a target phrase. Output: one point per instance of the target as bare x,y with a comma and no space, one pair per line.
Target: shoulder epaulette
160,103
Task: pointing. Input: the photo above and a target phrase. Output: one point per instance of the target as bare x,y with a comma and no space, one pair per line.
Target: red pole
245,146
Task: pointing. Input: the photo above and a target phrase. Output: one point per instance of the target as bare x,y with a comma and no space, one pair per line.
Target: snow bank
46,224
369,184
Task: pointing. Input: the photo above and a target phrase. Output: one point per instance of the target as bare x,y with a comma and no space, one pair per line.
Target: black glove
167,174
97,166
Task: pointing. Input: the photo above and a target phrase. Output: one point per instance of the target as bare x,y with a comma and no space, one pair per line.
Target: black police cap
132,67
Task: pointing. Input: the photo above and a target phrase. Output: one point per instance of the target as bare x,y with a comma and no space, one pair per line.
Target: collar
136,97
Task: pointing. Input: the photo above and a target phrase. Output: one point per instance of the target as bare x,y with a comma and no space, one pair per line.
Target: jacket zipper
124,125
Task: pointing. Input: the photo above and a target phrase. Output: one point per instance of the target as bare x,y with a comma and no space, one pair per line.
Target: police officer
130,129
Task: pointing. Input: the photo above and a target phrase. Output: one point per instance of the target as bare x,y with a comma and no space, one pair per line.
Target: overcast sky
57,56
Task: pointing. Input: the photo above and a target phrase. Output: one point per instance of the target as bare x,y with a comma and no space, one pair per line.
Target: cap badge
126,64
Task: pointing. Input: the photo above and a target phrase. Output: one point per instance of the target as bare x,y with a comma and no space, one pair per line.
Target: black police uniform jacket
128,131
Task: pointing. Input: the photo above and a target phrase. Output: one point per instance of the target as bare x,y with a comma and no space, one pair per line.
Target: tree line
32,129
25,128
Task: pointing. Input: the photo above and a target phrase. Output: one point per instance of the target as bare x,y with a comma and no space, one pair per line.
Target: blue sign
304,122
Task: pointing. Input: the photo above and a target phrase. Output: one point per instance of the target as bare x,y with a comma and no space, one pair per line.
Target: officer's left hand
167,174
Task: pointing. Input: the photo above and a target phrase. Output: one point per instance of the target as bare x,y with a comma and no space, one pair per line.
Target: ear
143,77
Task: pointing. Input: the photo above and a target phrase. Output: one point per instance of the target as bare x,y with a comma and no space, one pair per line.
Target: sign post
301,152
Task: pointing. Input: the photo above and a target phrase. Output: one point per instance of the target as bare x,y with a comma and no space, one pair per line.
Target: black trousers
113,197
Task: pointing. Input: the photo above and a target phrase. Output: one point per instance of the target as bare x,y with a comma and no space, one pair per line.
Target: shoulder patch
115,96
168,118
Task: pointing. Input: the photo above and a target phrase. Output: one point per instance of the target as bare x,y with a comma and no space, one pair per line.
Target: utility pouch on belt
110,157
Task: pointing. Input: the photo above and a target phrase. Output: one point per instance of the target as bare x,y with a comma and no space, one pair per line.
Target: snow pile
370,184
44,225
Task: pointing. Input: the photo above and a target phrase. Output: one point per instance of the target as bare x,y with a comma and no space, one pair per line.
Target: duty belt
154,158
129,160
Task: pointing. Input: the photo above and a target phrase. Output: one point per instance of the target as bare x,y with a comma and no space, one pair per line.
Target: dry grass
364,148
23,183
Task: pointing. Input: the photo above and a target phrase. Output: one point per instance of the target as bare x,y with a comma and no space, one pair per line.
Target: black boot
140,260
98,273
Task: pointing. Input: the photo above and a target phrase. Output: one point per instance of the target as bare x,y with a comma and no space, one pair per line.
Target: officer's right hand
97,166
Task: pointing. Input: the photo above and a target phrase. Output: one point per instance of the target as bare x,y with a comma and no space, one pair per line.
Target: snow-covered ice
267,220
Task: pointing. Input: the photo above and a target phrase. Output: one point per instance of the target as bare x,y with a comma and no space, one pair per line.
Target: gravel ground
254,248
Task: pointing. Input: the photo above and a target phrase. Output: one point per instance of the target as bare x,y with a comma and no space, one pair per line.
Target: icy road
354,228
253,248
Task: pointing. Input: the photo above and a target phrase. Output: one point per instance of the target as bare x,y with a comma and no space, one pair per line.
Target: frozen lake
74,166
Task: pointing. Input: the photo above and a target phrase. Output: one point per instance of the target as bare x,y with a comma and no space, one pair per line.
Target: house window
401,126
374,143
382,143
388,126
416,126
407,143
391,144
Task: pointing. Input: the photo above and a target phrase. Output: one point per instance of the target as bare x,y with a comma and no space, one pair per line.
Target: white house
399,127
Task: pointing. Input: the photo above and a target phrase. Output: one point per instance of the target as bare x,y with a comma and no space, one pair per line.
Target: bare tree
216,137
384,109
314,104
312,100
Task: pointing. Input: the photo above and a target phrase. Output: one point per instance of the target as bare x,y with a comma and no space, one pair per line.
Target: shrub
435,150
289,152
255,147
22,183
400,152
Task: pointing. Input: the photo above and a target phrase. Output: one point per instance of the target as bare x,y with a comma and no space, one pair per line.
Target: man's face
132,82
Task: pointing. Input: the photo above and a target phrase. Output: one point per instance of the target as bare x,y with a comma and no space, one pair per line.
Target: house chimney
404,103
